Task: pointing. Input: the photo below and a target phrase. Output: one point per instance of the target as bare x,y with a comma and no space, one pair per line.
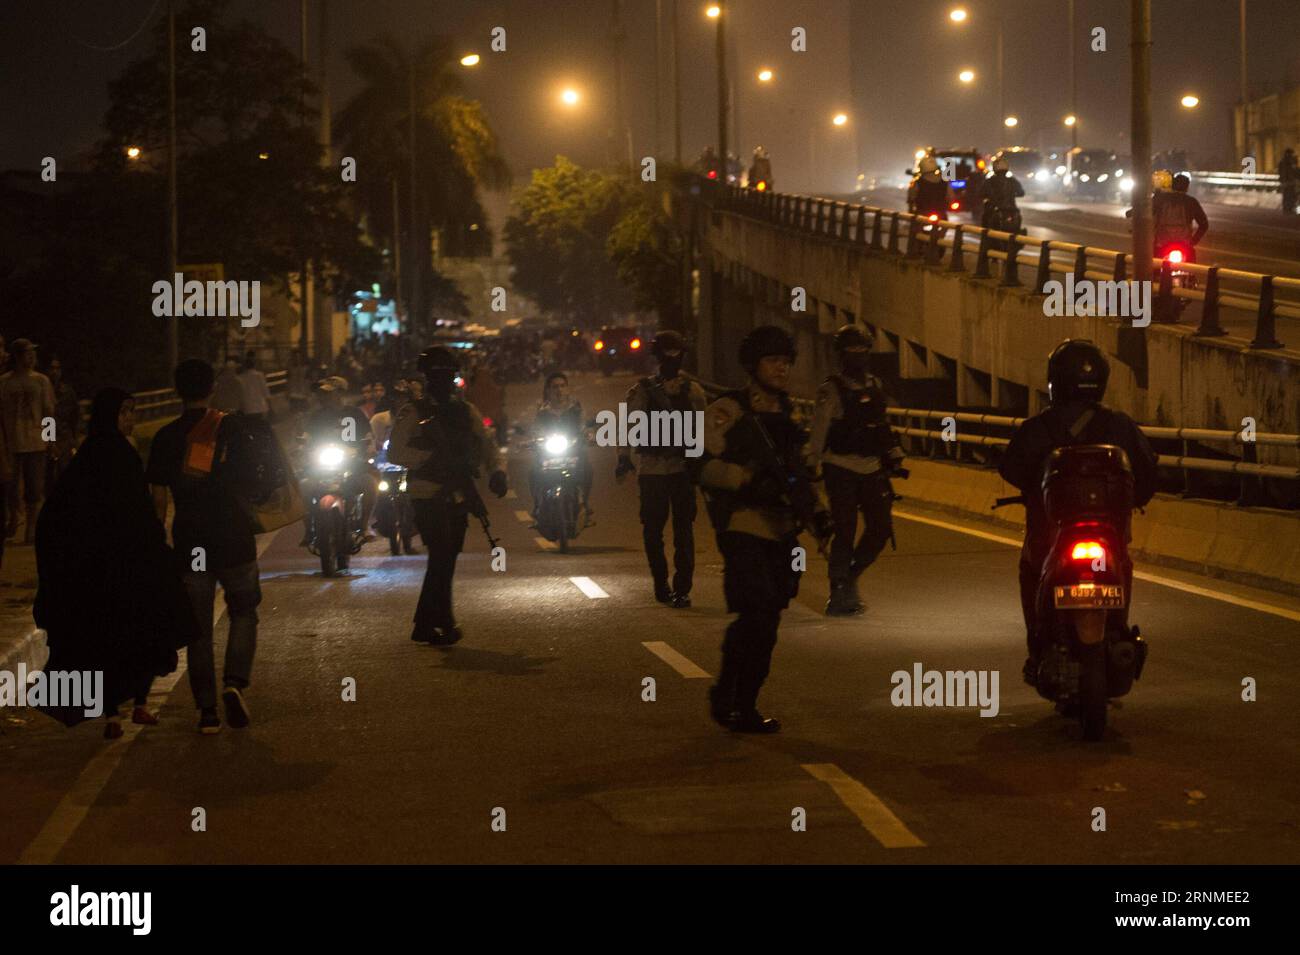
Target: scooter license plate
1089,596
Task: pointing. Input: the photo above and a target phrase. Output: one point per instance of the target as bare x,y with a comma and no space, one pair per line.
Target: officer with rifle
760,496
441,441
857,452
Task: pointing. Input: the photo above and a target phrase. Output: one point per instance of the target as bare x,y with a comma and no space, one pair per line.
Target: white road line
588,587
524,517
1223,597
874,815
76,804
675,660
544,544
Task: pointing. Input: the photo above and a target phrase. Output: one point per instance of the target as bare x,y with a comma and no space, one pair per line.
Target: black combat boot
843,602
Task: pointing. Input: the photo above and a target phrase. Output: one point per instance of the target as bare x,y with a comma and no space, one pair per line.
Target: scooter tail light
1087,550
600,346
1175,256
934,217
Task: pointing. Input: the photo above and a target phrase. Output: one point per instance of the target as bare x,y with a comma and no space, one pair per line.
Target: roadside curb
30,649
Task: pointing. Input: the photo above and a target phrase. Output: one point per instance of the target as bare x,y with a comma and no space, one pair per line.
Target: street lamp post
719,15
1140,136
1074,83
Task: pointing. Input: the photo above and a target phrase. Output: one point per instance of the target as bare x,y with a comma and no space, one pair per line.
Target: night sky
891,62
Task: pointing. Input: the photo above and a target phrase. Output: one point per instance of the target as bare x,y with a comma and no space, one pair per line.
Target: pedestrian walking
108,595
663,480
67,421
228,390
858,453
1288,174
213,538
256,393
27,398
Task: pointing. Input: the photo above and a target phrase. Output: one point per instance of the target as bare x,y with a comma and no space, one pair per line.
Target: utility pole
1074,81
416,255
722,89
1140,136
304,283
621,128
677,90
1241,11
659,26
173,241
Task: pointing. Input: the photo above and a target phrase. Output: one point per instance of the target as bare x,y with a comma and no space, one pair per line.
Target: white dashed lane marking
588,587
675,660
874,815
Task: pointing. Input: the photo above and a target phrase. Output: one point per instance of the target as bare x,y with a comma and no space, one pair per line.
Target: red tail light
954,206
636,343
762,186
1087,550
713,174
934,217
599,345
1175,256
487,422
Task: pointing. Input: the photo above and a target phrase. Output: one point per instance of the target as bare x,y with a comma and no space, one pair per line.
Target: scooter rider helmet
929,166
851,336
1161,180
1077,371
1000,165
1182,182
437,359
764,341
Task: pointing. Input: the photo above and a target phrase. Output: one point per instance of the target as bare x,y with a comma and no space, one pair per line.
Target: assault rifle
795,482
463,473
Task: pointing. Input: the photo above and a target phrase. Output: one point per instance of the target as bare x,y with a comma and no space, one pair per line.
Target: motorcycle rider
753,512
439,438
708,163
929,190
1001,190
1288,174
1174,213
857,452
663,480
1077,373
336,422
559,412
760,169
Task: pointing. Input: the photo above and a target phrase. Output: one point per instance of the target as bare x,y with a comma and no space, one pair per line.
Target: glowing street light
765,76
966,76
1071,120
1011,121
839,119
1190,102
713,12
958,15
569,97
470,59
132,152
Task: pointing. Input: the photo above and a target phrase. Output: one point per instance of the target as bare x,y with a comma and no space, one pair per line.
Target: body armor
858,430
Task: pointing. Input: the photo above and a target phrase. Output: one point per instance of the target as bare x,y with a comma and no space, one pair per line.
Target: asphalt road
539,712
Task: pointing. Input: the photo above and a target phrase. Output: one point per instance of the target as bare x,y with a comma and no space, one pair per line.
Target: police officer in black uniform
758,515
441,441
664,481
1077,373
857,452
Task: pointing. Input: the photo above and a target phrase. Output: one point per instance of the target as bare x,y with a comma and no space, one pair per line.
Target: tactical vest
659,399
741,447
457,451
861,411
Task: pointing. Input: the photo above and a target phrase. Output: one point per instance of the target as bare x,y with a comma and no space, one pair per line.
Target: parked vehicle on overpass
1095,174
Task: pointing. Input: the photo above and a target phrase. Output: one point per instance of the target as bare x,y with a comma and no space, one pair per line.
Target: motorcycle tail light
1175,256
487,422
761,186
934,217
1087,550
636,343
713,174
954,205
599,346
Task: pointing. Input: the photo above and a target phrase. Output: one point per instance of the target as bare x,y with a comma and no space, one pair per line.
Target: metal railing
164,402
1259,182
1002,256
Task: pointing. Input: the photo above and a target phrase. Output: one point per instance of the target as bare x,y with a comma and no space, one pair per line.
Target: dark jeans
243,594
759,582
851,493
442,528
660,494
29,472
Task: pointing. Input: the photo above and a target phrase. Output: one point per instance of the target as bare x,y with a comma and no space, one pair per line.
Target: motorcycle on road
394,514
1089,653
334,509
558,488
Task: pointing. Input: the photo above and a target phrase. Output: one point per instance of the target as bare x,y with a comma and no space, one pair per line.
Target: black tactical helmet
764,341
437,358
667,340
851,336
1077,371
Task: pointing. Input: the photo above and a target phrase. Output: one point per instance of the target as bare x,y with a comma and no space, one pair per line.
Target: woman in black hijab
108,595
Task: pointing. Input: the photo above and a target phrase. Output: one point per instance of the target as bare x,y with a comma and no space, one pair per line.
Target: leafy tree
456,155
647,251
557,242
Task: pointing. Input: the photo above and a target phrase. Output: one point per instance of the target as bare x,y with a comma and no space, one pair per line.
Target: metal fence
988,254
165,403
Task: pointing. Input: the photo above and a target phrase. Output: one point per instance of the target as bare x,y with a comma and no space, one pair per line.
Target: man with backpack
191,462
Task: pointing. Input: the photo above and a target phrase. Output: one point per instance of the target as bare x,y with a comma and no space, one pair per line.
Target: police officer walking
441,440
760,495
663,479
1077,373
857,452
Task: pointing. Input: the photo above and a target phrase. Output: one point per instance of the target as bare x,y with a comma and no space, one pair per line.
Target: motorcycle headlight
556,444
383,486
1126,184
402,486
330,456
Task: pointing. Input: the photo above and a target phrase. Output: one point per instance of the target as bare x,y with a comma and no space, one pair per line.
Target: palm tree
456,152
